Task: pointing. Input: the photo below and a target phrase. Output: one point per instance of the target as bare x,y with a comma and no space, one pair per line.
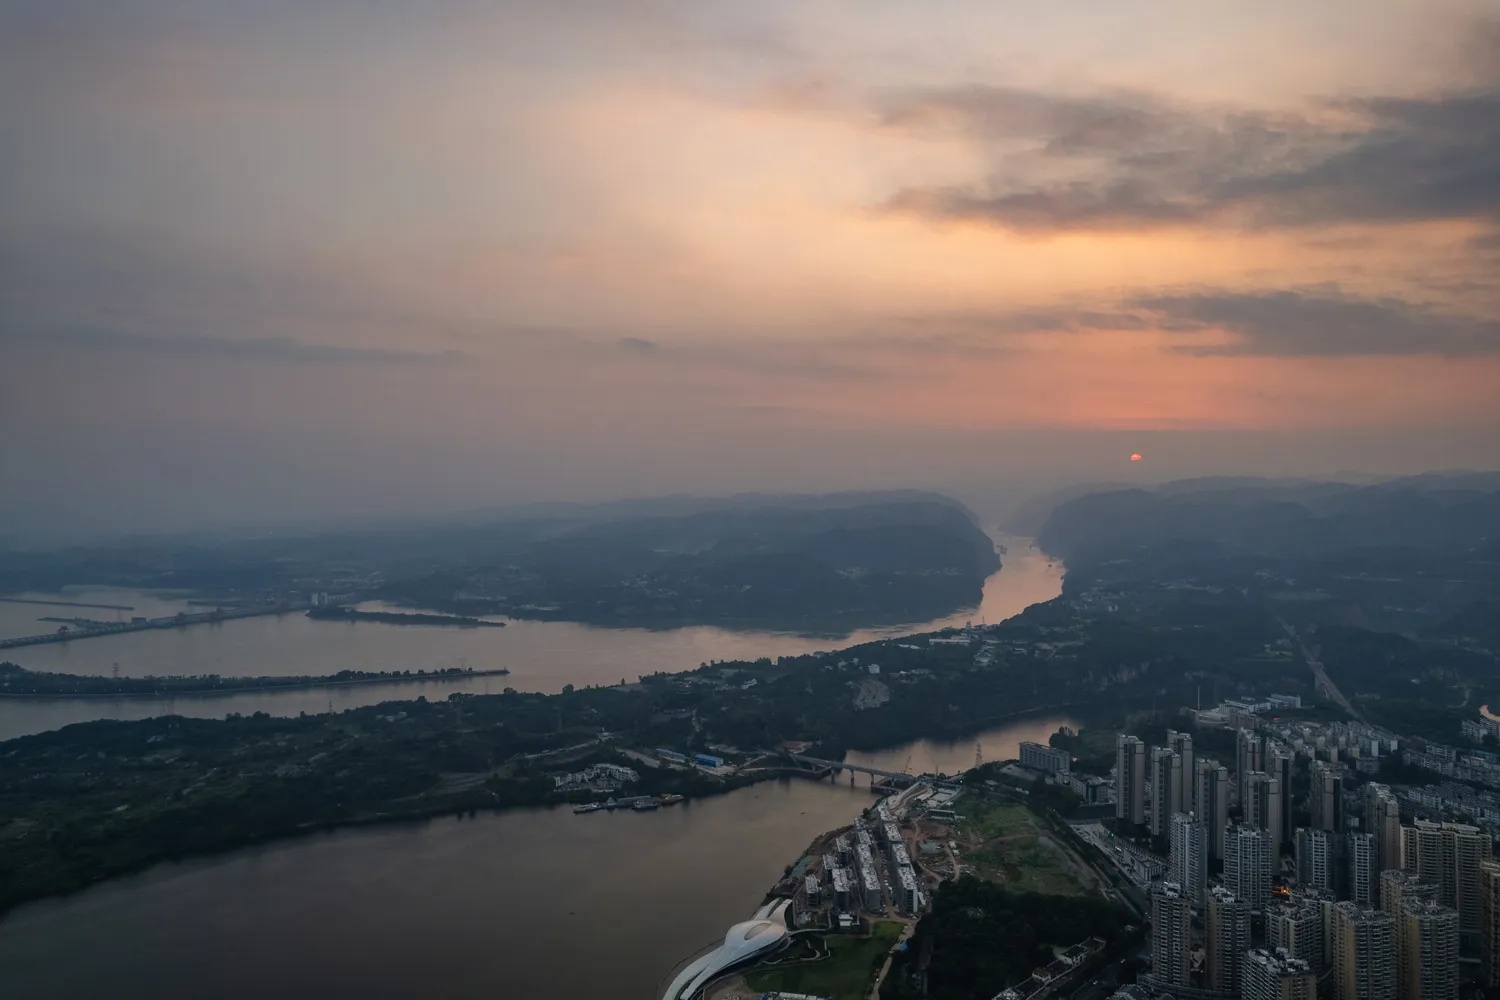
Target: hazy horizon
282,264
999,507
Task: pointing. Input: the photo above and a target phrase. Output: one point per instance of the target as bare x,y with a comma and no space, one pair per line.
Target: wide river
525,905
541,656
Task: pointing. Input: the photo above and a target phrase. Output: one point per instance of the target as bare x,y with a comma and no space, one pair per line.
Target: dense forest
981,937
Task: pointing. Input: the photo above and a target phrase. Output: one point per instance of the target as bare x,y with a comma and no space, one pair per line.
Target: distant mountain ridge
1403,553
682,504
1452,512
818,562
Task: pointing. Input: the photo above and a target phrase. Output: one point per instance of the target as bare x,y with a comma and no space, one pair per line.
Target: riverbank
542,656
952,749
18,682
356,772
826,626
386,911
456,796
337,614
279,776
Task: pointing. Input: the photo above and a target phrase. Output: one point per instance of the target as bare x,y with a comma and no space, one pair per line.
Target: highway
1320,677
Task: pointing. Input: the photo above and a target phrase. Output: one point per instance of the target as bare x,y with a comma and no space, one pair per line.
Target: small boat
645,805
671,799
587,807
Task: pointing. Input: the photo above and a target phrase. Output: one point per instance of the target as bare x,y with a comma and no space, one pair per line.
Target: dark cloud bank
1139,161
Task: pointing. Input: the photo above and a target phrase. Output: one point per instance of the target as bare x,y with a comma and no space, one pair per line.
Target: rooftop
744,941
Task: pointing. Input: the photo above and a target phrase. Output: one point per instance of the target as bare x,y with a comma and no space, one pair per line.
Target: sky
277,261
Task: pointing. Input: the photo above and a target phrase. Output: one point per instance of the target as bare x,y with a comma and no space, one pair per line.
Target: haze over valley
693,500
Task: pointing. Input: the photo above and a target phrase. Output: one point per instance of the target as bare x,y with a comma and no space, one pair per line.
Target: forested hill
1407,553
1270,518
831,562
787,566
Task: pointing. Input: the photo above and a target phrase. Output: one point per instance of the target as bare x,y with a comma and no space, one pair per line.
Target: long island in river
544,656
18,682
338,613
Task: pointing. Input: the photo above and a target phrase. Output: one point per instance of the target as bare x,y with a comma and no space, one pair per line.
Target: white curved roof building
764,933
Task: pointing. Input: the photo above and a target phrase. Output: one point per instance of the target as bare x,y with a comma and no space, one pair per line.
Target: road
1105,982
1320,676
885,967
1135,864
66,634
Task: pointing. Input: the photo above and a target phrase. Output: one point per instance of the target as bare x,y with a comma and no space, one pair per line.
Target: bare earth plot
1004,842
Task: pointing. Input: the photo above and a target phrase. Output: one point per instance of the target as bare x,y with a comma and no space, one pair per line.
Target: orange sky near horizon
535,228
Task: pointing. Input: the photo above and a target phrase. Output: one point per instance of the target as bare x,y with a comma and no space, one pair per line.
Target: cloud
824,360
1322,324
273,349
1136,160
1418,159
964,324
1296,323
1074,206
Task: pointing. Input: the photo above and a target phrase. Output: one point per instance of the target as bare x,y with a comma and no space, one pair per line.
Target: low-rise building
1039,757
1092,789
598,776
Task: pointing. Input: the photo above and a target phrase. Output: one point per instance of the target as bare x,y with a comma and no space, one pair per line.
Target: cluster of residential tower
855,878
1360,903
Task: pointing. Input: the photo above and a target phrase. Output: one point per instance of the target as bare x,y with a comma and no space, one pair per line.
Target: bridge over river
820,767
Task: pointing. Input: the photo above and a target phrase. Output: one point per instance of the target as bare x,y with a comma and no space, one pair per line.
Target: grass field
844,975
1005,842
